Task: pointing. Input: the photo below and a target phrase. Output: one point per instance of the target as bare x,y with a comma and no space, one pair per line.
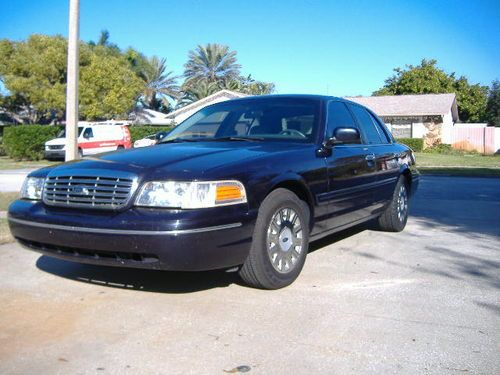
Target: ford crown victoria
244,184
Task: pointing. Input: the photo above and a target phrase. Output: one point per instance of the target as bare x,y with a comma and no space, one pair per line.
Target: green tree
493,105
247,85
103,41
471,100
160,85
34,73
108,88
195,92
252,87
211,62
427,78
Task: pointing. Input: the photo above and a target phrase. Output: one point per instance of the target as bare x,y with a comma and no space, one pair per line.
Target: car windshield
277,119
62,133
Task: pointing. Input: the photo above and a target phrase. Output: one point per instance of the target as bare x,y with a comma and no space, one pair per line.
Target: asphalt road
423,301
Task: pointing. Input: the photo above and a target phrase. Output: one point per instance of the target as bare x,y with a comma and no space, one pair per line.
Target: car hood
189,160
56,142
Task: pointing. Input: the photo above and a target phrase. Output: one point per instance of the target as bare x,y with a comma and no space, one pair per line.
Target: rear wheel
80,153
395,215
280,242
120,147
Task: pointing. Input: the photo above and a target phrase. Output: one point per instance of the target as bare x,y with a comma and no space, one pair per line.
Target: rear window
383,133
372,135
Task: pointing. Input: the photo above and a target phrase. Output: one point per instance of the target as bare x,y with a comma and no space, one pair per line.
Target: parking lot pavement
426,300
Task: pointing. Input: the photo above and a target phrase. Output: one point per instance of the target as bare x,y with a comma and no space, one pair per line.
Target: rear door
351,172
387,164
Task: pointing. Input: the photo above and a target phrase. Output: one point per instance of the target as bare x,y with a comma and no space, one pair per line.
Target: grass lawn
458,164
5,199
8,163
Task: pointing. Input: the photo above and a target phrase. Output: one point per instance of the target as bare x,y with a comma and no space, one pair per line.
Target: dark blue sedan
246,183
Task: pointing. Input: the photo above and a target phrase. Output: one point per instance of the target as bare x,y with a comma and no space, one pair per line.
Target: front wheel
395,216
280,242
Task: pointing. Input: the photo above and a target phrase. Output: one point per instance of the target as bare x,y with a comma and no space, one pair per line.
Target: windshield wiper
239,138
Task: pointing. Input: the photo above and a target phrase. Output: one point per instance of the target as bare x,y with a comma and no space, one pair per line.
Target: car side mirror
159,136
343,135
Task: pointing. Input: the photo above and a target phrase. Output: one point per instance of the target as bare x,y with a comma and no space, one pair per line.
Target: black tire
258,270
120,147
80,153
394,218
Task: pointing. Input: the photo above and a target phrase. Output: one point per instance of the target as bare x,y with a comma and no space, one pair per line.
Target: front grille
88,191
57,147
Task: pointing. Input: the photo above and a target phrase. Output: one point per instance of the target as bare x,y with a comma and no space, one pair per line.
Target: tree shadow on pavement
469,206
138,279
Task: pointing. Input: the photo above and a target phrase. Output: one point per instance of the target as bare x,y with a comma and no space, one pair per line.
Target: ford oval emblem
80,190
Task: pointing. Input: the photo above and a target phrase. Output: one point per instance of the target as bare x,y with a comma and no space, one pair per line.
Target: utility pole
72,81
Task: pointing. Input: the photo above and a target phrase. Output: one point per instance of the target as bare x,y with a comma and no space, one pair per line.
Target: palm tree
160,85
195,92
212,62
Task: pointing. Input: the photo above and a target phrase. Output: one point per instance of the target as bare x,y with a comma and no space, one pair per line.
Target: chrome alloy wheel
284,240
402,203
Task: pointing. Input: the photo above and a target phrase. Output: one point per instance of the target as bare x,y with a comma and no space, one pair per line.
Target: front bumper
141,238
54,154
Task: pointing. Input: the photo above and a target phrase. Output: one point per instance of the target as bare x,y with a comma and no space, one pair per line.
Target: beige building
428,116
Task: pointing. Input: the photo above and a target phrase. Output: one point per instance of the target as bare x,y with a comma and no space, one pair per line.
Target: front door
351,172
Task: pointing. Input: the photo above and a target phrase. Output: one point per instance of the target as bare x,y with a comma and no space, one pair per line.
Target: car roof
290,96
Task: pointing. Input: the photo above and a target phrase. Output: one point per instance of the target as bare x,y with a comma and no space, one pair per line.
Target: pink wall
480,139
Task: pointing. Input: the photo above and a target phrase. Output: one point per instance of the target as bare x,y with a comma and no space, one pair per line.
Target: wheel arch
299,187
406,173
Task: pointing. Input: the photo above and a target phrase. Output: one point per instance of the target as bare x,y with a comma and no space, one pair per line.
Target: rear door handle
370,157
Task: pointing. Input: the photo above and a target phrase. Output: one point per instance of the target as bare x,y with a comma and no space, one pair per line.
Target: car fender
294,182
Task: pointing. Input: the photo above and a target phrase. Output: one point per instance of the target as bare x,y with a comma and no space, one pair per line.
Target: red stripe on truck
99,144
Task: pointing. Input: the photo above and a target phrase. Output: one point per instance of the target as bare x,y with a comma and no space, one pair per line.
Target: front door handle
370,157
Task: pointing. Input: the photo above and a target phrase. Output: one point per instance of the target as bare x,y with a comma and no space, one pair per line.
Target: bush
139,132
27,142
416,144
2,148
446,149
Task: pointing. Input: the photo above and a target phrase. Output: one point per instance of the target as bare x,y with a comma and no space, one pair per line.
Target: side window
338,117
87,133
368,127
381,130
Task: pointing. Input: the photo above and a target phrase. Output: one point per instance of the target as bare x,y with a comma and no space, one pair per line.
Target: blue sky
303,46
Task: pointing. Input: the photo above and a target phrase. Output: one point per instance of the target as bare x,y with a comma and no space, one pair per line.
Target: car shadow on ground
161,281
138,279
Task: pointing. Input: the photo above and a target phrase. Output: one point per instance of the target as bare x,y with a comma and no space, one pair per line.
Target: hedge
27,142
416,144
139,132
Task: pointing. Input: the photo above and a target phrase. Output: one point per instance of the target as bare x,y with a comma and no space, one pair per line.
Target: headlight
32,188
186,195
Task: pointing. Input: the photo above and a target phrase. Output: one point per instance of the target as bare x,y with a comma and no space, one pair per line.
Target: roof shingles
409,105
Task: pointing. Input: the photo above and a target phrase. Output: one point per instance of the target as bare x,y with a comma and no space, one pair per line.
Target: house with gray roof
427,116
183,113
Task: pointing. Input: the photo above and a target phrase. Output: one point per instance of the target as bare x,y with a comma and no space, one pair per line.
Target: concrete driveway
423,301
